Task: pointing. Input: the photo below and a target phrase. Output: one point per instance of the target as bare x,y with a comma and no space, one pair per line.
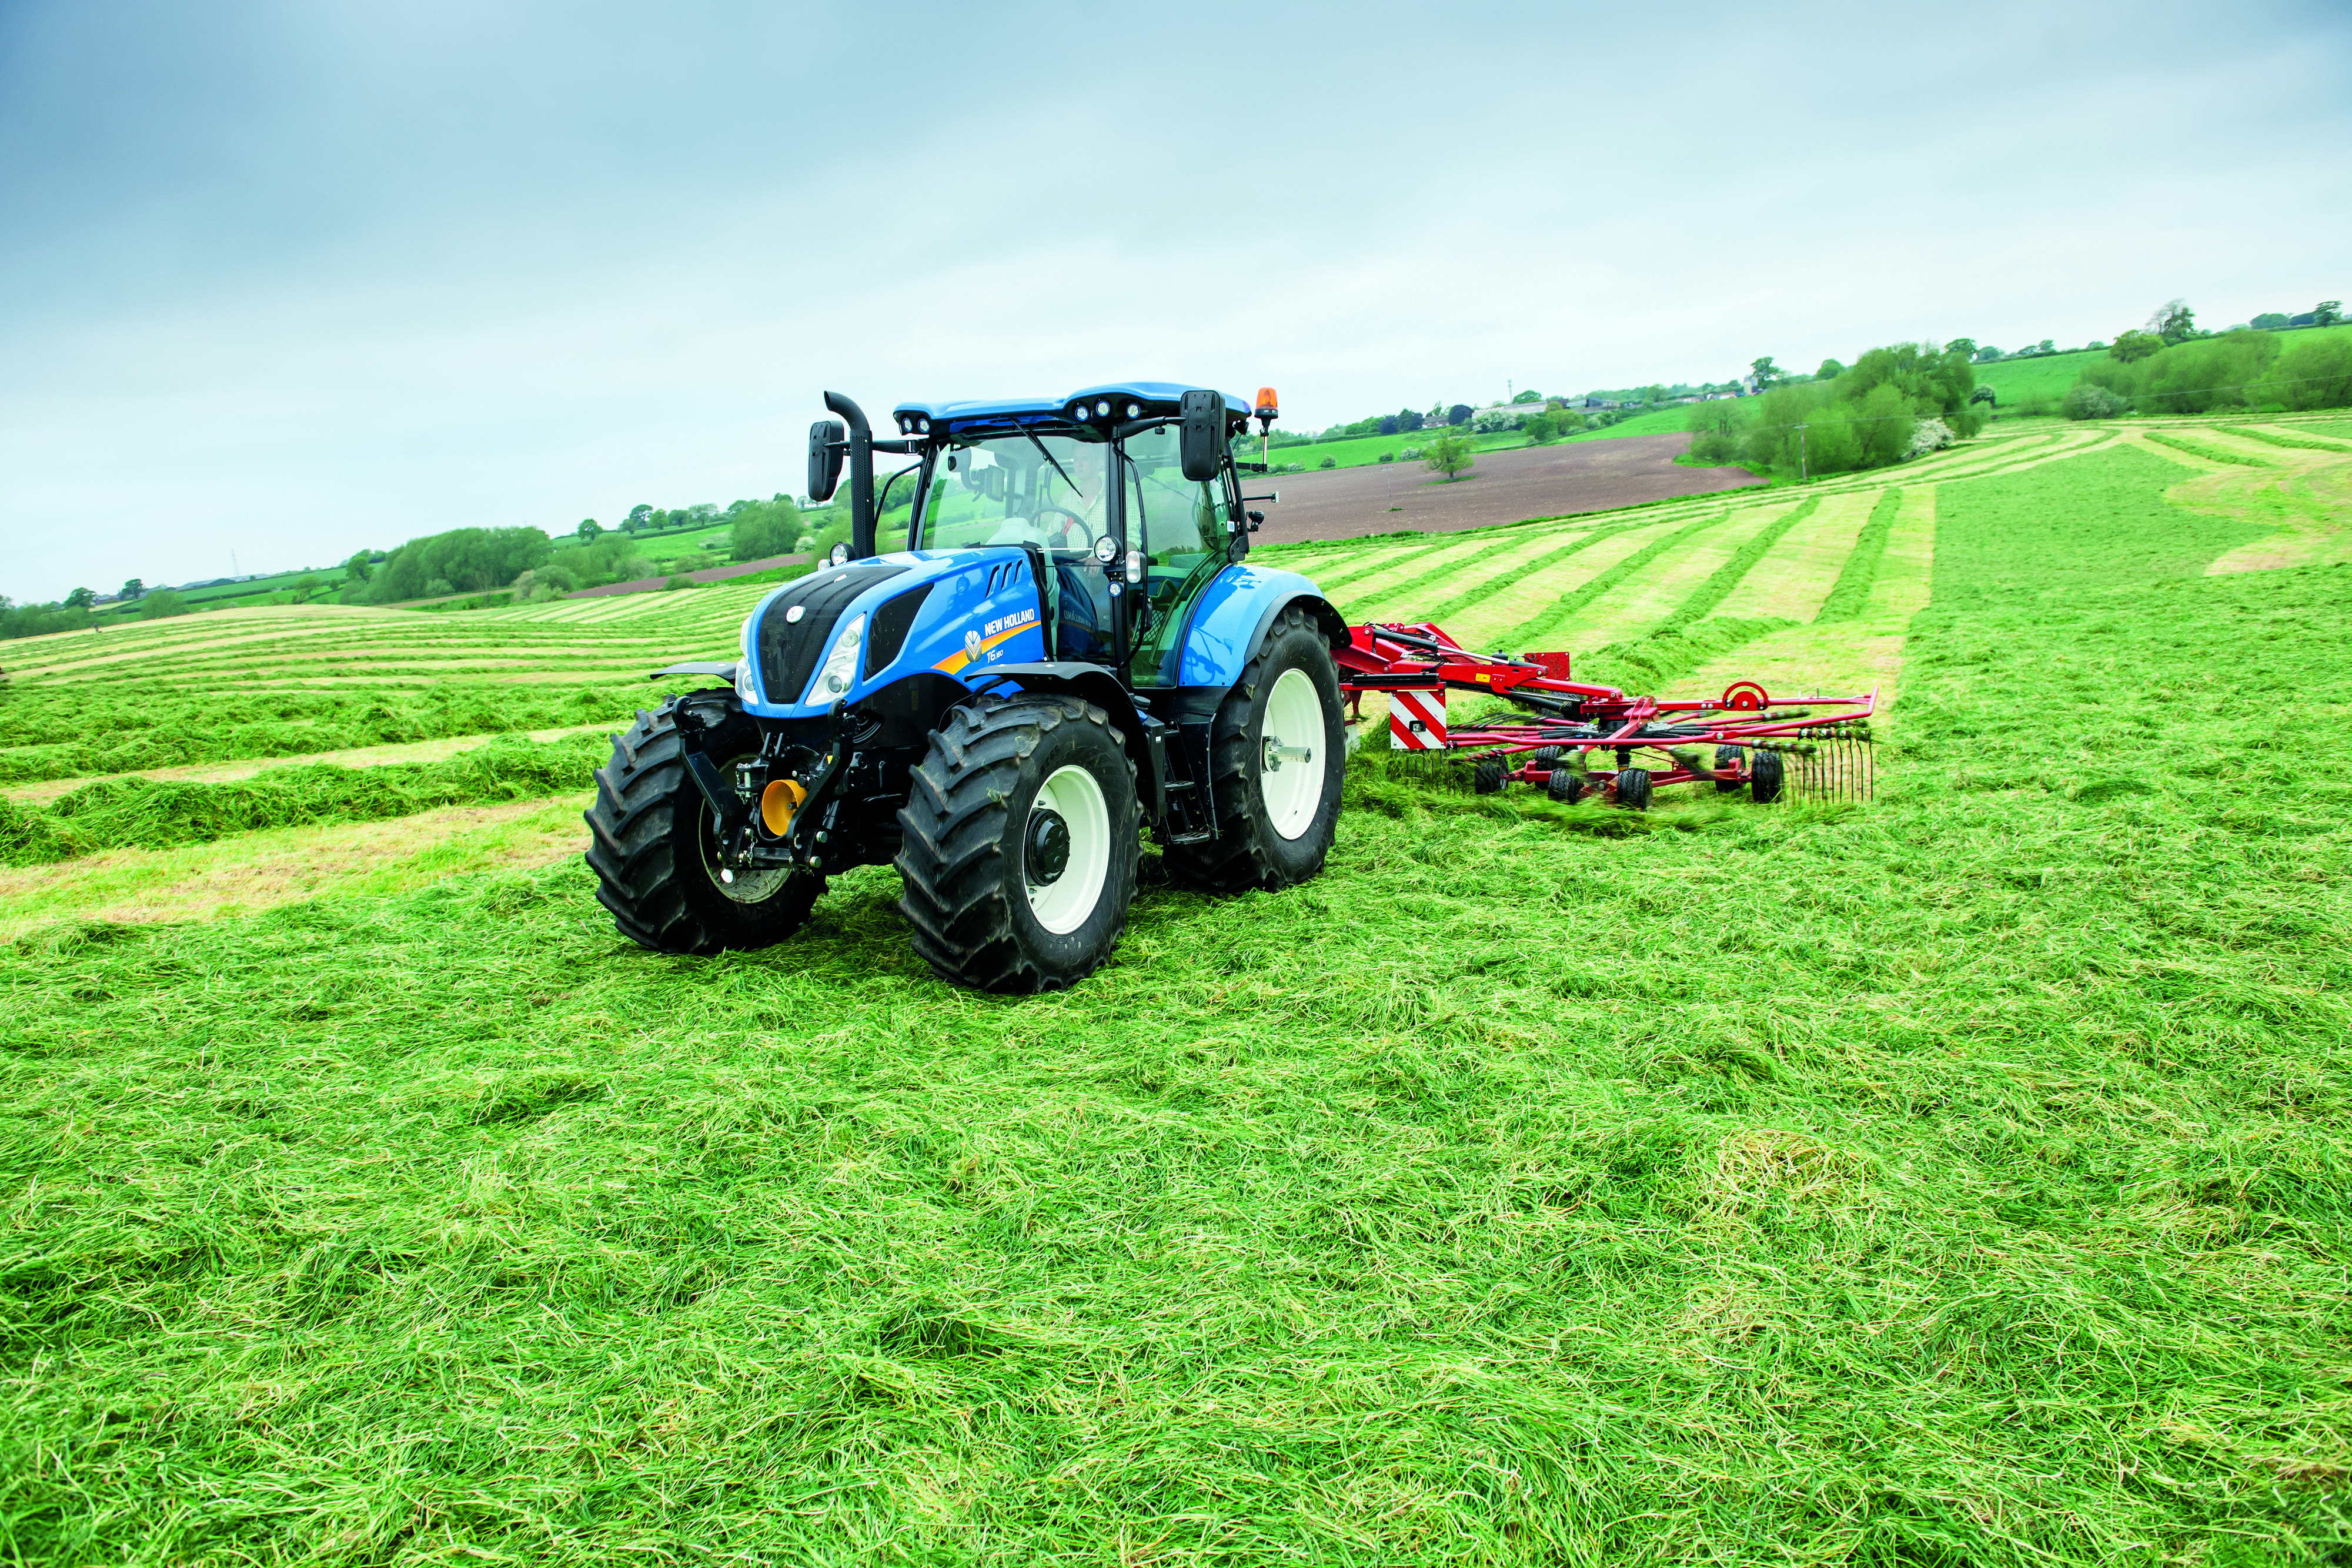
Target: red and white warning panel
1417,719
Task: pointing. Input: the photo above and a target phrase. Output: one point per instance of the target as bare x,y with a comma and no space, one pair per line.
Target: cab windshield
1046,490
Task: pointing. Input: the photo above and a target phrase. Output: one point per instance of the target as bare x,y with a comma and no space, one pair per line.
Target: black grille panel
789,650
888,633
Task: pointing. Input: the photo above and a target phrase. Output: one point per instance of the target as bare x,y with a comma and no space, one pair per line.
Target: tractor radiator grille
788,650
891,625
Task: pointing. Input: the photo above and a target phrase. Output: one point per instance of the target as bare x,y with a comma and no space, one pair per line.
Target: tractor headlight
841,664
746,680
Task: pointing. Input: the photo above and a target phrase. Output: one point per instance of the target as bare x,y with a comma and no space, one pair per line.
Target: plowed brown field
1503,487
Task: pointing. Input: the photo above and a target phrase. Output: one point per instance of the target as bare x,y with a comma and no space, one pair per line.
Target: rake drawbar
1808,747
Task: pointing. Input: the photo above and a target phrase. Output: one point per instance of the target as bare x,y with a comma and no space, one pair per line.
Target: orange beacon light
1268,405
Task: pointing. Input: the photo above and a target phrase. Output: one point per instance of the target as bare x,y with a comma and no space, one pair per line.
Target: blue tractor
1067,648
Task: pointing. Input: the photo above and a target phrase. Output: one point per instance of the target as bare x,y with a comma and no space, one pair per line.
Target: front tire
1021,839
653,845
1274,829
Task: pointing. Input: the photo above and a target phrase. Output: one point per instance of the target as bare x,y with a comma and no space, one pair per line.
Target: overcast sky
288,280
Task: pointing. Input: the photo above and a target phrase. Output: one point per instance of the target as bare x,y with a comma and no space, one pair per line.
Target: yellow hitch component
778,801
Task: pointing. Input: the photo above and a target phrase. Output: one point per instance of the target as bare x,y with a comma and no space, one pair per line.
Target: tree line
526,561
1893,402
2171,366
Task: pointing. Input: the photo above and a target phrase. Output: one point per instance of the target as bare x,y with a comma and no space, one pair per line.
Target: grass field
2039,383
1961,1179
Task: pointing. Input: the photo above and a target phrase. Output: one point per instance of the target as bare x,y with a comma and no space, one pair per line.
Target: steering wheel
1076,524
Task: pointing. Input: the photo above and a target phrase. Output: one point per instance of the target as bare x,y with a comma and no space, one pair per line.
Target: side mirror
1200,440
828,445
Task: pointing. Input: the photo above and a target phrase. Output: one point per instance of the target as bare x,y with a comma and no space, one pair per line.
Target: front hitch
735,807
811,832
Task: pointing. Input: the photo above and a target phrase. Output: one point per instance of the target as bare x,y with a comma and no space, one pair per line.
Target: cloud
293,280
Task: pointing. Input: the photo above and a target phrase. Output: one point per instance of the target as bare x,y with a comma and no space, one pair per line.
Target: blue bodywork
1008,622
1232,616
1224,630
981,608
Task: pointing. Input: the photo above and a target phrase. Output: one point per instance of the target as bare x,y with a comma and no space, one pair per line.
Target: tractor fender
1097,686
1230,622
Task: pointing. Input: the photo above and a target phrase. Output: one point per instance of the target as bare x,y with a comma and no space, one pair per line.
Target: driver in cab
1073,517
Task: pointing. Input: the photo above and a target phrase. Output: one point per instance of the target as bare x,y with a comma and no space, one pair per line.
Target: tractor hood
841,634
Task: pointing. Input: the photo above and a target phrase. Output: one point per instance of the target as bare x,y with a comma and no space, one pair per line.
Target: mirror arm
861,475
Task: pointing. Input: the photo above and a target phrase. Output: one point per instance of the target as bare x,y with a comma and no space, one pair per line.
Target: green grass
1673,421
1958,1180
122,814
1851,593
2019,384
2039,383
1529,632
129,730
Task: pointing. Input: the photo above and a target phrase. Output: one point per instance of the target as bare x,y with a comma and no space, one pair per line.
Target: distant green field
2017,382
1657,422
2021,383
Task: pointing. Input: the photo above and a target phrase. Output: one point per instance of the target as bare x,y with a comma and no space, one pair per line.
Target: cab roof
1084,407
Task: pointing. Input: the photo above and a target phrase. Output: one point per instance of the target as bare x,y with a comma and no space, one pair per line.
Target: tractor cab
1096,487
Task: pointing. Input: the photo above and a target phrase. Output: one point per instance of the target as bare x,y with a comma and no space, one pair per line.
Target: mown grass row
1690,635
1528,633
124,730
2209,454
2273,438
1471,594
144,813
1850,594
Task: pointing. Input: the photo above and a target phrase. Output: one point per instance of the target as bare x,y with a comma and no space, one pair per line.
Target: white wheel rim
1292,754
1062,904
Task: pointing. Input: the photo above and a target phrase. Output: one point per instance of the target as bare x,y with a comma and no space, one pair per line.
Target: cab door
1182,529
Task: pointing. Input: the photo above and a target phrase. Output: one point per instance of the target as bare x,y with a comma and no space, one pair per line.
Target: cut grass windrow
1379,563
1703,599
2210,454
1646,664
144,813
1478,566
1437,613
2273,438
1851,593
1527,634
136,729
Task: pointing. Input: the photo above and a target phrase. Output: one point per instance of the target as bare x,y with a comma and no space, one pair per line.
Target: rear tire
1020,845
653,847
1633,789
1273,831
1766,777
1563,786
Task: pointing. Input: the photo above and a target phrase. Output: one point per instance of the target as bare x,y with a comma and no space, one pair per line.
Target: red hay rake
1806,748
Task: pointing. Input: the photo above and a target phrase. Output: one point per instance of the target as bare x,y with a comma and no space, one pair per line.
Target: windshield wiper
1049,458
